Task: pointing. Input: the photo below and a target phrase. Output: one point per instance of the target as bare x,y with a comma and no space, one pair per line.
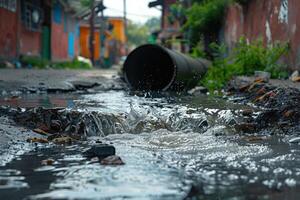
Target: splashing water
169,145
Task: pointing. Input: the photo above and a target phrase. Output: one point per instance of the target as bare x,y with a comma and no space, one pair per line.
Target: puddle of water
39,100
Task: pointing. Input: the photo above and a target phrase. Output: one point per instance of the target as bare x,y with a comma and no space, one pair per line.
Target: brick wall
271,20
64,35
8,36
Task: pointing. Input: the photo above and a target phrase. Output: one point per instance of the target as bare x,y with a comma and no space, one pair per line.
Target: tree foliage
205,17
139,34
246,58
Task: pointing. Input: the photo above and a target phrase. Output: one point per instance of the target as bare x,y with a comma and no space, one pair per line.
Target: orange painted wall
119,29
84,43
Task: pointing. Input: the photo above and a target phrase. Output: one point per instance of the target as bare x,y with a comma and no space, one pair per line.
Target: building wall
8,36
30,42
119,29
166,25
64,35
84,42
271,20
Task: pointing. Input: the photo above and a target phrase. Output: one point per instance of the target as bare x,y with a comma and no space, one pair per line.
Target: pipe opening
149,67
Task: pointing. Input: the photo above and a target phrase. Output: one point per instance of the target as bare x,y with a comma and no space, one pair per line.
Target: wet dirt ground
174,146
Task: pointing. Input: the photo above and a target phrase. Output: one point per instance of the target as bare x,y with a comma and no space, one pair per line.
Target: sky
137,10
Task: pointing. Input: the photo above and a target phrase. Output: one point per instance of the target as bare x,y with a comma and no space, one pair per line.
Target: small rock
47,162
101,151
63,140
40,131
198,91
296,79
112,160
294,75
254,138
247,112
37,140
246,127
261,75
55,125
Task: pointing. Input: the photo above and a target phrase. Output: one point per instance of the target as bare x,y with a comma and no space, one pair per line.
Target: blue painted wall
71,43
57,13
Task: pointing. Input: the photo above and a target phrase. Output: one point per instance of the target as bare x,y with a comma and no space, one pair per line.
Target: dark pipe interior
149,68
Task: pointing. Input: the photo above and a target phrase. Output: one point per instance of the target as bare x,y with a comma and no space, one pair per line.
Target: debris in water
101,151
40,131
63,140
48,162
37,140
246,127
112,160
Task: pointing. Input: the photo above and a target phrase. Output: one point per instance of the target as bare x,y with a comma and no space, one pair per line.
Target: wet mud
280,105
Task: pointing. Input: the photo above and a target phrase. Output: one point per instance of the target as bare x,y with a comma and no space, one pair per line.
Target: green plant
34,61
204,17
246,58
37,62
74,64
255,56
198,51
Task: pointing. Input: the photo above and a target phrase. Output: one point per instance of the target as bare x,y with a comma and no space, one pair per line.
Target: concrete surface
51,80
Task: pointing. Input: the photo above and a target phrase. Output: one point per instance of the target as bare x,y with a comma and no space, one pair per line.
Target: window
9,5
31,16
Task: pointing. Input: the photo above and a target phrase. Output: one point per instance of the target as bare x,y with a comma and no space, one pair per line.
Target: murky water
173,146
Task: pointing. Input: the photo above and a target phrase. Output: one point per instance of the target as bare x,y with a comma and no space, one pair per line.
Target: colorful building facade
42,28
170,34
109,45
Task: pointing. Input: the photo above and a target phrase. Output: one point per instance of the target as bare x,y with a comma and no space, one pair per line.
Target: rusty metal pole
92,32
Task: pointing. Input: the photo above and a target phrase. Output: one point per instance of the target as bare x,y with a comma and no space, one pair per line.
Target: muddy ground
279,99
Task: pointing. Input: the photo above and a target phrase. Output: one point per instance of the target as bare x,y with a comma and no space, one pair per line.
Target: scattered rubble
112,160
265,76
280,105
63,140
37,140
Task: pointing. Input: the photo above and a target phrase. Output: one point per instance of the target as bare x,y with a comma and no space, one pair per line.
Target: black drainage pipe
155,68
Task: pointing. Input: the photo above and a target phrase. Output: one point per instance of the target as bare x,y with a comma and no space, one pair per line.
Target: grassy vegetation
37,62
244,60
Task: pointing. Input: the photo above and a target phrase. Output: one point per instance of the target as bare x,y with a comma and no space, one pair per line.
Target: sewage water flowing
174,147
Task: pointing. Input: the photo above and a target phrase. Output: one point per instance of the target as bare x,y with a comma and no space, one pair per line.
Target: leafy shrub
34,61
245,60
204,17
75,64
